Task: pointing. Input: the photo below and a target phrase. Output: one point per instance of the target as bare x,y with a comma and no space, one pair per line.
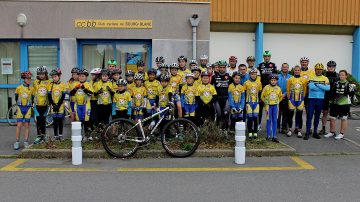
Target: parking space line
302,165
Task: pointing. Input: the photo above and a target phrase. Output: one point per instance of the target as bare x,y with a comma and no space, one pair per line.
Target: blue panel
356,54
259,43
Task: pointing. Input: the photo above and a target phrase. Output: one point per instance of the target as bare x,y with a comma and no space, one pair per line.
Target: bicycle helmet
274,76
116,71
129,73
55,72
160,59
111,62
205,73
193,62
204,57
105,72
122,82
331,63
189,75
304,59
232,58
319,66
152,71
140,63
222,63
83,71
95,71
26,75
196,68
138,76
41,69
236,74
163,65
250,58
164,77
174,66
182,58
75,70
253,70
267,53
208,65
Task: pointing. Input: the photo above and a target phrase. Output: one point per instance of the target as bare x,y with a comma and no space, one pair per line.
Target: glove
82,86
239,111
56,108
100,91
233,110
352,87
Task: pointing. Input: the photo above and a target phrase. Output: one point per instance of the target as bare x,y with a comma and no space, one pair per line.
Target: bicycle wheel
180,138
119,138
11,115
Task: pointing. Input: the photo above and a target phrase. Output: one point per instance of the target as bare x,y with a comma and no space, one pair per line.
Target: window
10,50
95,54
42,55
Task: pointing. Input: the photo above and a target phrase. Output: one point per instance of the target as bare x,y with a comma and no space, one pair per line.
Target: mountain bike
121,138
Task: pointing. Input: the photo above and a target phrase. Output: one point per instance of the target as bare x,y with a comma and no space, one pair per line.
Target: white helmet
95,71
204,57
304,59
190,75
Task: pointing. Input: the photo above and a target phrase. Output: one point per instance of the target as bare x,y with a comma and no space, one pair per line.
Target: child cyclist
272,96
153,88
197,72
139,95
253,88
95,78
115,76
236,100
206,94
41,102
175,78
121,101
24,97
57,90
130,80
340,94
74,80
104,92
188,95
141,69
296,91
82,91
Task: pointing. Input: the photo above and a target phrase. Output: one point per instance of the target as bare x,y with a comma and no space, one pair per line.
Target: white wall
225,44
319,48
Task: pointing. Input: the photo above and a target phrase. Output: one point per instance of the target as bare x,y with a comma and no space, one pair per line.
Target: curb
215,153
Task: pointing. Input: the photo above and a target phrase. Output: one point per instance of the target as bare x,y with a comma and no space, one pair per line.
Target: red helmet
26,75
232,58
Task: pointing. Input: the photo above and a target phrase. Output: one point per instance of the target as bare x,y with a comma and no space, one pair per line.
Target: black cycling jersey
333,78
266,69
221,83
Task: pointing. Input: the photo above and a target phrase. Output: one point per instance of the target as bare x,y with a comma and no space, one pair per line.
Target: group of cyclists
225,91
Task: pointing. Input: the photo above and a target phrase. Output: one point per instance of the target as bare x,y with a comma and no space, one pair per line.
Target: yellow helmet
319,66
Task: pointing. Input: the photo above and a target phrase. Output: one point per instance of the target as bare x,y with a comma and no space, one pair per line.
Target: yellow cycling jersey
122,100
41,92
153,88
252,89
206,92
175,81
236,91
139,94
296,88
164,96
271,95
189,93
81,98
71,86
130,86
197,82
183,75
57,90
307,74
25,95
104,98
93,86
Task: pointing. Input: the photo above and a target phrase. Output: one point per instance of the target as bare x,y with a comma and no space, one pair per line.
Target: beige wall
56,19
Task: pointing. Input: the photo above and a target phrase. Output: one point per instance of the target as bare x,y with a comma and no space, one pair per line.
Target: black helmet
41,69
174,66
83,71
116,71
182,58
164,77
274,76
105,72
129,73
193,62
55,72
121,82
196,68
160,59
152,71
331,63
75,70
140,63
163,65
205,73
236,74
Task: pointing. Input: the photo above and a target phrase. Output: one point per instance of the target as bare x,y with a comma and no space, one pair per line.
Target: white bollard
76,143
240,143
